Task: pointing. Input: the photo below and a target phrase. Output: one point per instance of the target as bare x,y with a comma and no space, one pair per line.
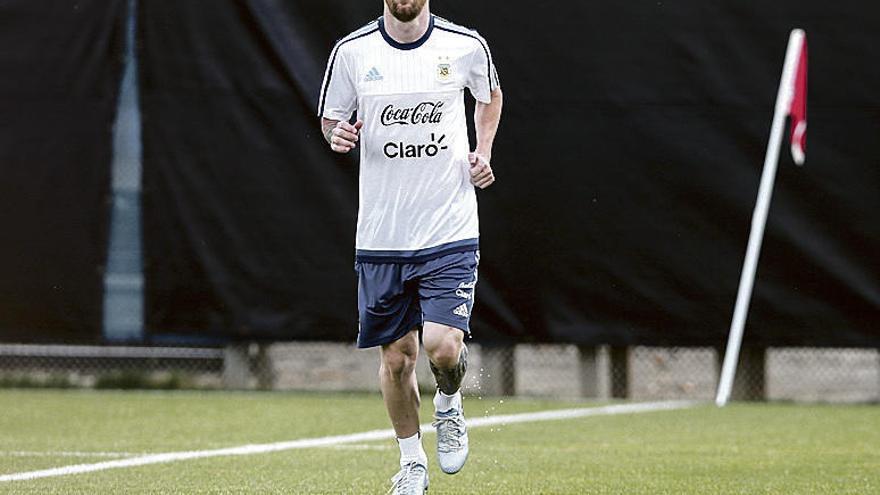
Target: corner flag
798,108
791,100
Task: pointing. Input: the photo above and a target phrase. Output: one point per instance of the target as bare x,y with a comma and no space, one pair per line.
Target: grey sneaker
412,479
452,440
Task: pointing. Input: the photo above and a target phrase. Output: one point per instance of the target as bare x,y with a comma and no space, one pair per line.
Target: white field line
355,438
39,453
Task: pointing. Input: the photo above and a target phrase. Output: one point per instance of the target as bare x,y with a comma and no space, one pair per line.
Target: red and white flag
798,108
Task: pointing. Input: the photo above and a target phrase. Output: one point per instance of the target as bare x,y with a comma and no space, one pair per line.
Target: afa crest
444,70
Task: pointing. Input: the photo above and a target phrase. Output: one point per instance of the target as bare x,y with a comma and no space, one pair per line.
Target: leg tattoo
449,380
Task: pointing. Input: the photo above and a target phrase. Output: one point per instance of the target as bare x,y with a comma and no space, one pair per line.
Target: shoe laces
407,480
450,429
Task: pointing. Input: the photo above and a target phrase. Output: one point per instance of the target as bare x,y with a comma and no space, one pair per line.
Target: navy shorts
396,298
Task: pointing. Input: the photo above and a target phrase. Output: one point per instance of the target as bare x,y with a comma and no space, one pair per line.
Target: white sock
443,402
411,450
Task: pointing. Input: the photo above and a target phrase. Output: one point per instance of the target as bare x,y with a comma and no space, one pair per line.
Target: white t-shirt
416,200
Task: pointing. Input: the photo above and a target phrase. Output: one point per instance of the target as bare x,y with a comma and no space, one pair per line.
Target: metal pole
123,278
759,221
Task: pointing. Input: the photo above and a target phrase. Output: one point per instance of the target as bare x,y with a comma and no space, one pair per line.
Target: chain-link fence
68,366
553,371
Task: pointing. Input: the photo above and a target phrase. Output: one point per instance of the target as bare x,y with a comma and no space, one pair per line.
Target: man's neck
407,32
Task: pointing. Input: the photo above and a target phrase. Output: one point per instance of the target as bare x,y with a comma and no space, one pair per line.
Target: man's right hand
344,136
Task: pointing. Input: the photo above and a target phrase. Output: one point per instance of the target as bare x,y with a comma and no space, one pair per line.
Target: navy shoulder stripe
456,28
367,30
357,32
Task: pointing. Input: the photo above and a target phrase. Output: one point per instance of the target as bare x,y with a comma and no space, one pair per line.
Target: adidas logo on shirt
373,75
462,311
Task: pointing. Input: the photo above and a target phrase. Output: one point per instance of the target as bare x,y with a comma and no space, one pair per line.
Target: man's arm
341,136
486,119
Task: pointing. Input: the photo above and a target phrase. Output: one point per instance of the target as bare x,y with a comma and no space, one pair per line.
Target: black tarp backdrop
60,64
628,163
248,221
628,160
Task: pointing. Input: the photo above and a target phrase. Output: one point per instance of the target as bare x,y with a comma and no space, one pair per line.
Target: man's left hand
481,172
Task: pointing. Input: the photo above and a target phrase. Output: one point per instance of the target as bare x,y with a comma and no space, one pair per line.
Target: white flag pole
759,218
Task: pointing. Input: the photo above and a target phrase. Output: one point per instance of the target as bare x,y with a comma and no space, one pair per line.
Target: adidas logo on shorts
462,311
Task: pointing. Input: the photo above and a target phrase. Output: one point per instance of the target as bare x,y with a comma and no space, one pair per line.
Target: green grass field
779,448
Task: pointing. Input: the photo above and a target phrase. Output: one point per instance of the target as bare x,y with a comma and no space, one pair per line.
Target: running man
417,245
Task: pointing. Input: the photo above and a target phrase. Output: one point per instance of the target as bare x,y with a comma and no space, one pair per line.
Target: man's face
405,10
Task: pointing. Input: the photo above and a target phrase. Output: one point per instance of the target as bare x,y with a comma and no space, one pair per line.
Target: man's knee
397,365
399,359
443,345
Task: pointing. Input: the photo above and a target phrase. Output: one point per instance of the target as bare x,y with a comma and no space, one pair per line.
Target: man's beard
405,13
